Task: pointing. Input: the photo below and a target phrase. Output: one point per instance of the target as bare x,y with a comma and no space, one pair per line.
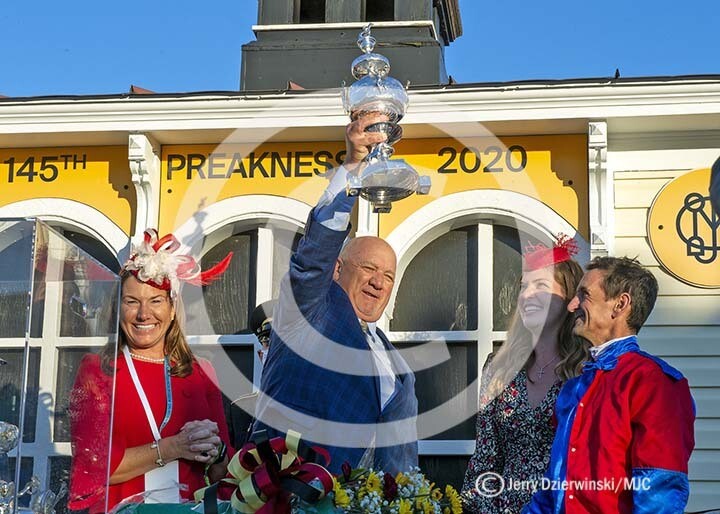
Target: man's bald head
366,272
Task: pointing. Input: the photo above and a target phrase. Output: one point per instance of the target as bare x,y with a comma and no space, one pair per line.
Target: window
260,259
312,11
220,312
460,289
72,303
379,10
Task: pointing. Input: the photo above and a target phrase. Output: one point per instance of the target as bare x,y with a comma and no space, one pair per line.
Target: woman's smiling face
145,314
542,300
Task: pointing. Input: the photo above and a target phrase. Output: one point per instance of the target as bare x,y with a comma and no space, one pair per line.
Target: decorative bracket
143,154
599,188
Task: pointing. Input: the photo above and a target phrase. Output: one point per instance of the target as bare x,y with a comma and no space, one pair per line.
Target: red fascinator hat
540,256
156,263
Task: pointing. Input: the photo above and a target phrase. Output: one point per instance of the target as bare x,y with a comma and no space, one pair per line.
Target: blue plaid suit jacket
313,311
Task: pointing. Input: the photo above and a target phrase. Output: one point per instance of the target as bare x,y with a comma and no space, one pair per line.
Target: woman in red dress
168,425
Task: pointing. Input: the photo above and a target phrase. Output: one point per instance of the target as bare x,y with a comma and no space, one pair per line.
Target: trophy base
386,181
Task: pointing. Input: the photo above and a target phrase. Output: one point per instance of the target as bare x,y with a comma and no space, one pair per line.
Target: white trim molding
256,208
74,214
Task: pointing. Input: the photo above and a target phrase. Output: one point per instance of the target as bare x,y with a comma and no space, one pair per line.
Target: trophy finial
365,41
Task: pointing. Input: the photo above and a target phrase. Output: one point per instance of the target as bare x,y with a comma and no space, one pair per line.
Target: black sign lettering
48,166
299,163
326,164
469,160
445,168
195,162
171,166
76,161
490,168
285,167
212,165
49,171
257,163
236,166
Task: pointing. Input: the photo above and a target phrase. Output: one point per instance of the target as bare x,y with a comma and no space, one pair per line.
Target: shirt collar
605,356
372,326
595,351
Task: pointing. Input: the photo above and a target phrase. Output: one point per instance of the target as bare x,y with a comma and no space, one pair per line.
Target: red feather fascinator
156,262
540,256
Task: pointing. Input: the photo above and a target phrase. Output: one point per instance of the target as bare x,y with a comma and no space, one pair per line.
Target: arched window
461,289
218,314
68,317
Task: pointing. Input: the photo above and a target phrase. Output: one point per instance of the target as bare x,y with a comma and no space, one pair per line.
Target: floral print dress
513,441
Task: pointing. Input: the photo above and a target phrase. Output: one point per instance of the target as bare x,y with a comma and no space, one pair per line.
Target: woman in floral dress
521,382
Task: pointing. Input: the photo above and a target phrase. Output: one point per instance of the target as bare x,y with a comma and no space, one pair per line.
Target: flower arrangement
376,492
282,476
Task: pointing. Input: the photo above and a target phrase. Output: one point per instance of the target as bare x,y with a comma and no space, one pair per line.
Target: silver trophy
383,180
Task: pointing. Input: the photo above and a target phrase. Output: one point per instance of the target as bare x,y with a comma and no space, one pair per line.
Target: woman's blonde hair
517,353
176,345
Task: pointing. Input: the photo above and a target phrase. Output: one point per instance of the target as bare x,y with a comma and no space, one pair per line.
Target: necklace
541,369
147,359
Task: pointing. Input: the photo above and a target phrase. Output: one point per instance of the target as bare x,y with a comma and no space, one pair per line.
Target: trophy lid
369,94
372,64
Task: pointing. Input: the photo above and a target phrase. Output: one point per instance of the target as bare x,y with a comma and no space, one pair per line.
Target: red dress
195,397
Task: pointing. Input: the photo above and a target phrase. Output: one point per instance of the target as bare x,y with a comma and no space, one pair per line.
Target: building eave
264,113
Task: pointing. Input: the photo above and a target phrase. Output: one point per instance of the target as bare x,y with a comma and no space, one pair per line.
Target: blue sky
103,46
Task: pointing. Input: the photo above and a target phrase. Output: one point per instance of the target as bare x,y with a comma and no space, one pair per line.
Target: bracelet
159,461
222,452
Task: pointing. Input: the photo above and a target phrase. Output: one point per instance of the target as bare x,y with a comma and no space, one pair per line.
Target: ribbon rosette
266,472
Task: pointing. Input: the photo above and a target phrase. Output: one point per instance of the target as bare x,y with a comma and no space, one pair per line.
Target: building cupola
313,42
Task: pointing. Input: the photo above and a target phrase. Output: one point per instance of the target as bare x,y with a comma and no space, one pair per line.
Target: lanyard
143,396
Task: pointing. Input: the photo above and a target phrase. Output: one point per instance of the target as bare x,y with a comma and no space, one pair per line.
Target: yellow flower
405,507
454,499
372,484
341,497
427,507
436,495
402,479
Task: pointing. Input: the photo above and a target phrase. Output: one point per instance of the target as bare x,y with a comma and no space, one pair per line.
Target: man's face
593,311
366,272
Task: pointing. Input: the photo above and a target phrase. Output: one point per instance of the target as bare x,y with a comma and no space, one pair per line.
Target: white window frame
87,220
484,208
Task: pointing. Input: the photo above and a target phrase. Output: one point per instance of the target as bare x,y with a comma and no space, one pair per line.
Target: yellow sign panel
97,176
195,176
684,230
552,169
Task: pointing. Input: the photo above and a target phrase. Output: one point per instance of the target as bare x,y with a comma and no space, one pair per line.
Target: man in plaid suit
330,373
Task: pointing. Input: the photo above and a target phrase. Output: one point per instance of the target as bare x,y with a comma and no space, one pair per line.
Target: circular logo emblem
684,230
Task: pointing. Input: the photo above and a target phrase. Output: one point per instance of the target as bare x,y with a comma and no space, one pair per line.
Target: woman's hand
197,441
